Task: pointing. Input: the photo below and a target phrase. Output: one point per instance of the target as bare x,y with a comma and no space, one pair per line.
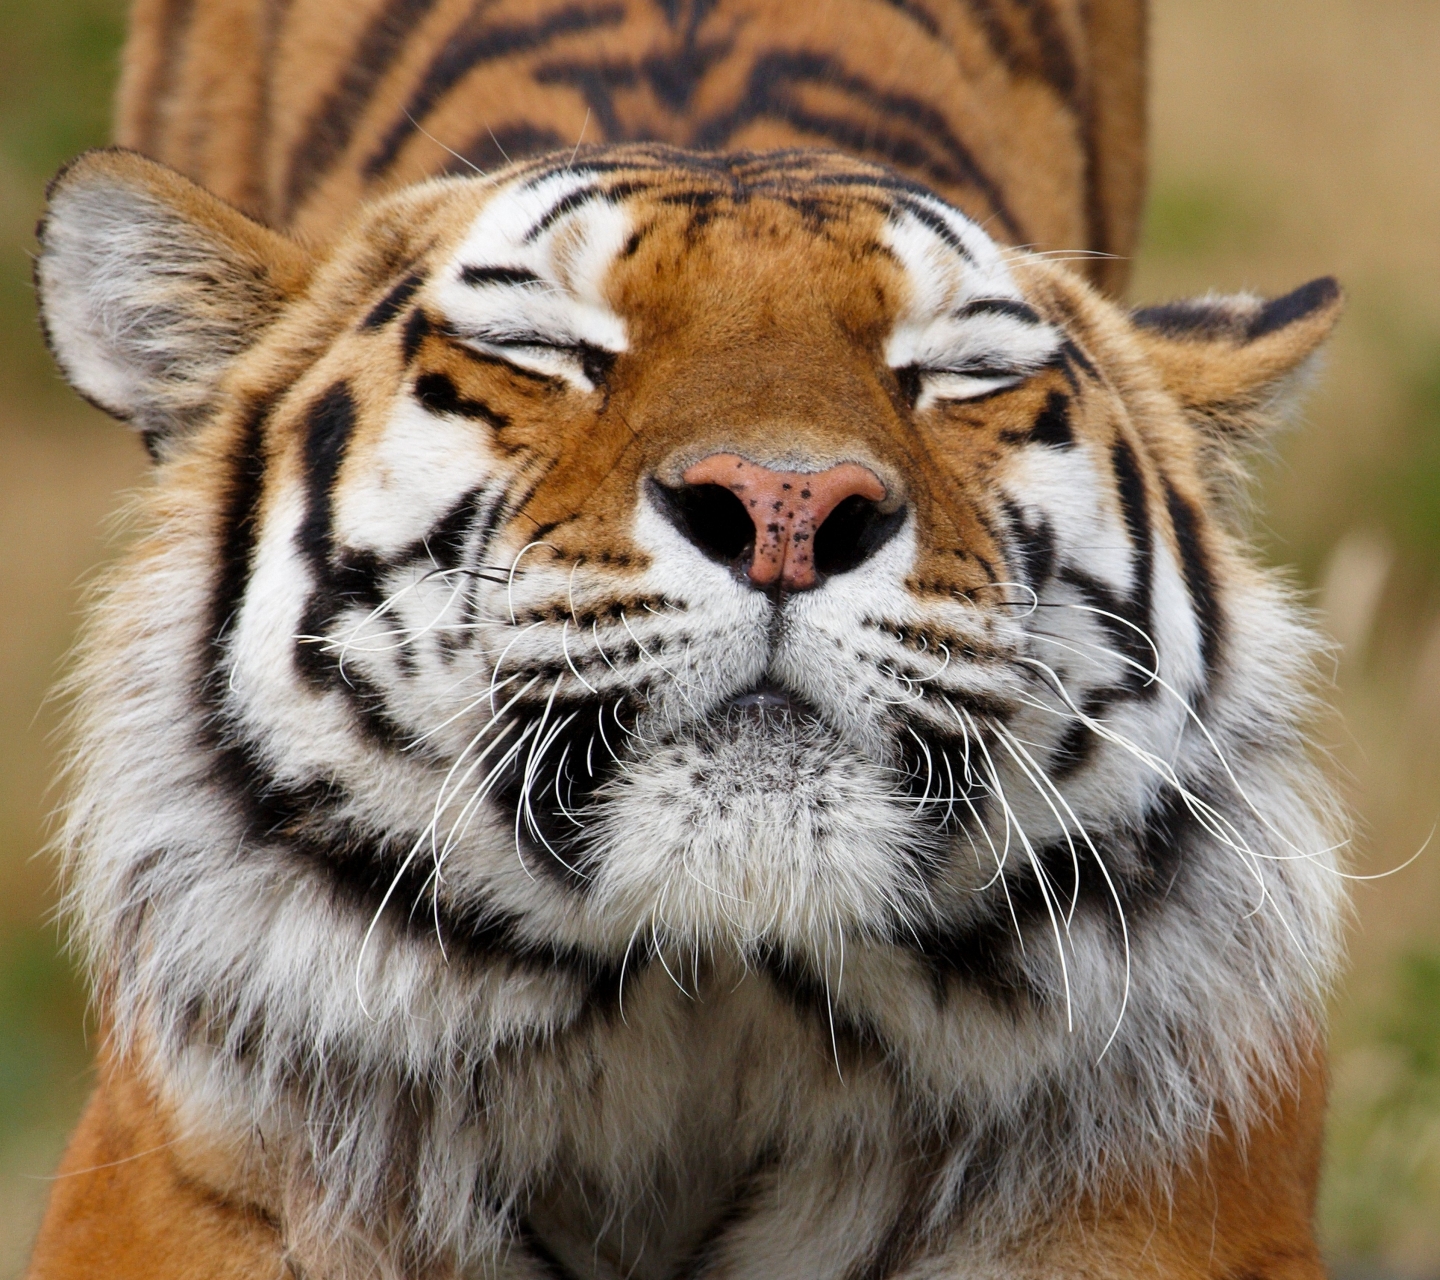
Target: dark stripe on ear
1199,577
497,275
437,392
1052,425
1196,320
471,46
1294,306
329,130
391,304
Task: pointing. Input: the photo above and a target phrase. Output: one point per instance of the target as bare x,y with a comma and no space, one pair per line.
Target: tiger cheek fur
504,844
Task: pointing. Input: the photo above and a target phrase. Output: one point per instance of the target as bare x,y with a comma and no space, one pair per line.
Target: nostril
710,516
852,533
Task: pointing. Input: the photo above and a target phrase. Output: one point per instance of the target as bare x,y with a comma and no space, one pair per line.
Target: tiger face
721,552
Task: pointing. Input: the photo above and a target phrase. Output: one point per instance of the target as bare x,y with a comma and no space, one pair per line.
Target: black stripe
469,47
1199,576
1126,621
917,14
340,580
612,194
393,302
238,530
1144,865
925,143
942,228
497,275
806,992
1052,424
364,871
999,307
1135,508
1034,545
438,393
445,545
330,424
1079,742
417,327
1055,64
1075,358
567,775
743,1200
330,129
596,83
1296,305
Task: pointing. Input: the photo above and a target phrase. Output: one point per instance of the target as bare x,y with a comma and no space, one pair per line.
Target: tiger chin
682,713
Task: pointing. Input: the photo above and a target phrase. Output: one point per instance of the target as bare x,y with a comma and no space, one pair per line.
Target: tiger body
504,849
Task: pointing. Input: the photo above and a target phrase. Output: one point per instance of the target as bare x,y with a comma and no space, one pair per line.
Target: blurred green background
1292,138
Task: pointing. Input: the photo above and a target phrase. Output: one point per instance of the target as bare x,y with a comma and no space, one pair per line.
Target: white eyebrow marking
966,330
528,284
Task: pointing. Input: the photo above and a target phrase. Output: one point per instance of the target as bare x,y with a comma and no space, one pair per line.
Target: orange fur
296,113
230,92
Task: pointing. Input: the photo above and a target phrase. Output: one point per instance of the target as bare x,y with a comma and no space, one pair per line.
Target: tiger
913,866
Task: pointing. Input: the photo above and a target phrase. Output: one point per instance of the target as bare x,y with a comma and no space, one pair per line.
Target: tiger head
721,550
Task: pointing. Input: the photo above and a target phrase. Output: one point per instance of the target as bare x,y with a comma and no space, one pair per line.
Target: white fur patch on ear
149,287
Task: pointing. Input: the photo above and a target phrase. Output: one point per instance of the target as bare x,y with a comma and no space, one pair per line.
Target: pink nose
786,508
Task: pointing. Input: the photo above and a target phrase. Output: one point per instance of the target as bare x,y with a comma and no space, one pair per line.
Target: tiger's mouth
767,699
763,751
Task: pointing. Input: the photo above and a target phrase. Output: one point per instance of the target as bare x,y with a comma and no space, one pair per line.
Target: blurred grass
1384,1180
1290,140
62,465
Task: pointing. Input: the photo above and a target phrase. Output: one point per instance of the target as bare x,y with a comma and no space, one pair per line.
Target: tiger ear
1232,361
149,286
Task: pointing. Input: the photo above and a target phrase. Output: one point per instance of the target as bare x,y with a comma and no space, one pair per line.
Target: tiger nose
801,521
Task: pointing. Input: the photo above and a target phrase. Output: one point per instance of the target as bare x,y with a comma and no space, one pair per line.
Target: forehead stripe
578,199
393,302
497,275
938,225
999,307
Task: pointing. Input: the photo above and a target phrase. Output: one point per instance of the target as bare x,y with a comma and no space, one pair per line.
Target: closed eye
973,382
582,364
